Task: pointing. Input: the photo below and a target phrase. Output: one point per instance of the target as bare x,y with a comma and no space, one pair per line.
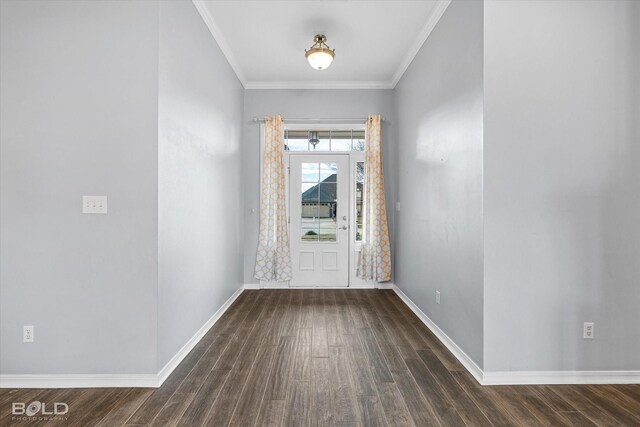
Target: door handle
344,227
344,217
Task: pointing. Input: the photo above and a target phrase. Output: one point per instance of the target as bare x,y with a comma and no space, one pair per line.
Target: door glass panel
328,209
359,198
328,192
311,230
310,172
328,172
328,229
306,186
318,191
309,223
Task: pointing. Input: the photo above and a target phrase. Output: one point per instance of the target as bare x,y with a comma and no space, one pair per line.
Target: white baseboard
286,286
520,377
182,353
560,377
78,381
117,380
466,361
484,378
267,284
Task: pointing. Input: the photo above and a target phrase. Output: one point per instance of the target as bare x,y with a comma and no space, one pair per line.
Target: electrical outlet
27,334
94,204
587,331
437,297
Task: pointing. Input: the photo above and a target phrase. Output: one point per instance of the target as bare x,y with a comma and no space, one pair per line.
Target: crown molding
424,34
220,40
432,21
318,85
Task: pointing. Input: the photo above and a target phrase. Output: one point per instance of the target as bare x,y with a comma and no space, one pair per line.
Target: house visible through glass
319,198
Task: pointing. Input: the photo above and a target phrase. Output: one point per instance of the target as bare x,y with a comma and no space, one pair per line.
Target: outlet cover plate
588,332
27,334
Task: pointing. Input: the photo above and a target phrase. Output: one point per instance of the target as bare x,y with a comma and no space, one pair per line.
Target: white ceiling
375,41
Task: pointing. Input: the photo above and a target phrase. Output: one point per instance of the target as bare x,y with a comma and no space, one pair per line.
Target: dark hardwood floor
330,358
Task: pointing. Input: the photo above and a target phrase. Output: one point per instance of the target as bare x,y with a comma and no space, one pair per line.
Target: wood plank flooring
329,358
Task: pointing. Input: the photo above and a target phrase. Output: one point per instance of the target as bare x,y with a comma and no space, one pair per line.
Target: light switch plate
94,204
397,206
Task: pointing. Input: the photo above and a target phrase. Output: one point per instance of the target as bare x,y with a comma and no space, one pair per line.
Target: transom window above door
324,140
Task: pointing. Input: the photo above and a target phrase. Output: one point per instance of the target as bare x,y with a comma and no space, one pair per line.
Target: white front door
319,215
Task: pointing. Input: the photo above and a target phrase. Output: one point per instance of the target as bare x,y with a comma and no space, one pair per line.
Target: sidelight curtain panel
273,261
375,256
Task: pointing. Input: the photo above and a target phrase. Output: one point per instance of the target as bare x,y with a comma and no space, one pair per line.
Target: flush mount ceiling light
320,55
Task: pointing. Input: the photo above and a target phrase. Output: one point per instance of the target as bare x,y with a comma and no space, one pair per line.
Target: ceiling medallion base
320,56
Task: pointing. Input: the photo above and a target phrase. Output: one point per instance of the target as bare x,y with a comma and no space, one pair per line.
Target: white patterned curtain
273,261
375,256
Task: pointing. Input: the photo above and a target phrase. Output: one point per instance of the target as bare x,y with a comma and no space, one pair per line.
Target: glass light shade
319,58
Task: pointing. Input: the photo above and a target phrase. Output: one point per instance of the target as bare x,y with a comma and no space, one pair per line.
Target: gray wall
439,228
562,185
307,103
200,197
79,116
133,100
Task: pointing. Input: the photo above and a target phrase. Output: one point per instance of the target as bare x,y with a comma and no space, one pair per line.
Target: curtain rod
315,120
